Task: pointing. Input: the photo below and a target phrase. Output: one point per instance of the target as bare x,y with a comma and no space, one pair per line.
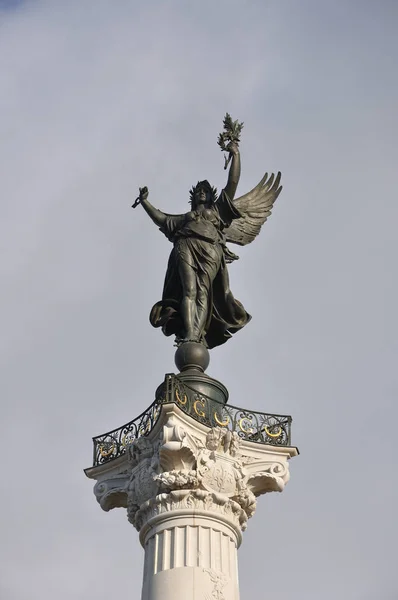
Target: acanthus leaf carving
192,500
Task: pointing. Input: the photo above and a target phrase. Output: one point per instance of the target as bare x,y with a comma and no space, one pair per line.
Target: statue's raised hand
143,193
232,148
142,196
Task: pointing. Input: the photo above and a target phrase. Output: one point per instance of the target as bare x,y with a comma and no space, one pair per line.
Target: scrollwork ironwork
250,425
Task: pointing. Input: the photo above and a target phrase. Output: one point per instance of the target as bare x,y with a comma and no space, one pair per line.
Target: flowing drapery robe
198,241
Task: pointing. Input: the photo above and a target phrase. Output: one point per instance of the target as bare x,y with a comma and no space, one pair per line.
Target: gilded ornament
202,403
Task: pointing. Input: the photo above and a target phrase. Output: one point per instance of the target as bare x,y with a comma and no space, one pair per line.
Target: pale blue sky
98,97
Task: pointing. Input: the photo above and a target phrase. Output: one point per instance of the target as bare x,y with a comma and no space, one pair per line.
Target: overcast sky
98,97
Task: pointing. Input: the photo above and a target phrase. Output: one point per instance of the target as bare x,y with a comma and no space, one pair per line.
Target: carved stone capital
181,471
183,467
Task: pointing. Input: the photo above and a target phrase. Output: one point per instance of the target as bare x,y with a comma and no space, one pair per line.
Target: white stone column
190,557
189,490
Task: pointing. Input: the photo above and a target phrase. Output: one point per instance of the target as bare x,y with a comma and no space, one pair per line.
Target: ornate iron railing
250,425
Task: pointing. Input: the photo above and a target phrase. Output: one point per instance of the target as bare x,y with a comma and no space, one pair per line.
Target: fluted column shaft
190,558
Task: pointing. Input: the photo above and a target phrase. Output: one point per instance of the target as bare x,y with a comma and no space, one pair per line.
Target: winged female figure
197,304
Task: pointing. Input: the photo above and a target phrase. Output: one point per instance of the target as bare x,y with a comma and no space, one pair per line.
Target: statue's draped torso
205,225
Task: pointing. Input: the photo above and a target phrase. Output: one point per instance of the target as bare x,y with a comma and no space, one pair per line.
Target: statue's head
202,193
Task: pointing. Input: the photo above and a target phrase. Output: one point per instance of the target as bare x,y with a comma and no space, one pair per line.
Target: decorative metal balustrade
250,425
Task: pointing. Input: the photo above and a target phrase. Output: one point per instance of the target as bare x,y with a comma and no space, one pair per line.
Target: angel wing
255,208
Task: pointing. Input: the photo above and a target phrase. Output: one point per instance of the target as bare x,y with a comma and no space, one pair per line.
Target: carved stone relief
219,581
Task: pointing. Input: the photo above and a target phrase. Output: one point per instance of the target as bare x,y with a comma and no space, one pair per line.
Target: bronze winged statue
197,304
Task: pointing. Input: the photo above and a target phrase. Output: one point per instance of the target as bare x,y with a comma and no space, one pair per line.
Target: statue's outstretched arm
157,216
234,170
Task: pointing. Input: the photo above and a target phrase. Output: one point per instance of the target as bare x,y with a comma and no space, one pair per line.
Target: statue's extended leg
188,302
201,313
